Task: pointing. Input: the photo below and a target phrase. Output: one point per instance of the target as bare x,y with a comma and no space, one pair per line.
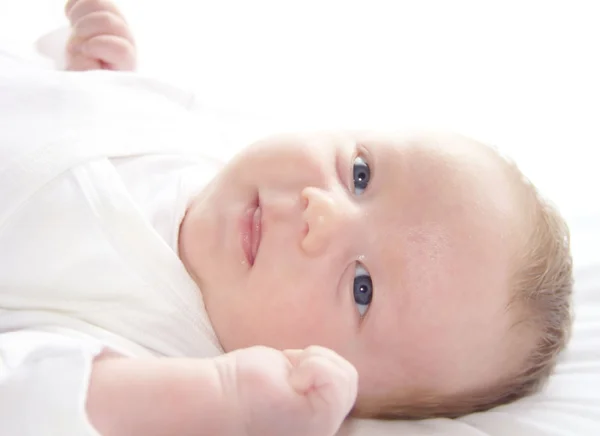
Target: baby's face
394,252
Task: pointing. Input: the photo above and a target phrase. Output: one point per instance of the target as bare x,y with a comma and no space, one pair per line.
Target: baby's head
427,261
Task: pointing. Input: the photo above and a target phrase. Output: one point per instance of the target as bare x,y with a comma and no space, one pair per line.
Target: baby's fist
293,393
326,379
100,37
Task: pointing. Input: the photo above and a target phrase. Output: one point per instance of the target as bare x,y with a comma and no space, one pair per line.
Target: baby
390,277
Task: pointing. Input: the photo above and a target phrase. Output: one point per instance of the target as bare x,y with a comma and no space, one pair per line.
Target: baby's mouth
256,231
251,230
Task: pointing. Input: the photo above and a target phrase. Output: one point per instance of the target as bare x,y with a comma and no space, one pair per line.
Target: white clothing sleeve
44,379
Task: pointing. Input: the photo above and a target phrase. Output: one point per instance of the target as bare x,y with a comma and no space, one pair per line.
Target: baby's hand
100,37
297,392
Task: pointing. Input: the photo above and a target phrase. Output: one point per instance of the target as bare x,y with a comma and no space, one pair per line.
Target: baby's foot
100,37
294,393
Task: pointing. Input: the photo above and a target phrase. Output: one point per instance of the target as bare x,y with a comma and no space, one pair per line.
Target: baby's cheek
299,326
296,303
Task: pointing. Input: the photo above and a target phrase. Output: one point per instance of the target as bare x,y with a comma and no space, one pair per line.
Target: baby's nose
324,217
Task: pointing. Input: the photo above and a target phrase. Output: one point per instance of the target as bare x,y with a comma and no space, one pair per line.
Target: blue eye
363,289
361,174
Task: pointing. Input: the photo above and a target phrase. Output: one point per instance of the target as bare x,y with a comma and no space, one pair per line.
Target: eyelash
360,272
361,176
353,180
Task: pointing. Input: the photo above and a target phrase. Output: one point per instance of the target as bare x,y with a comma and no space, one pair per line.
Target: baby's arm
256,391
159,396
100,37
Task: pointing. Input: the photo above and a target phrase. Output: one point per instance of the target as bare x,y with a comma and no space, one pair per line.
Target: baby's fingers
295,356
325,382
100,23
79,62
115,52
76,9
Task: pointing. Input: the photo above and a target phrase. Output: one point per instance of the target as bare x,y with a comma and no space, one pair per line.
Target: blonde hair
542,283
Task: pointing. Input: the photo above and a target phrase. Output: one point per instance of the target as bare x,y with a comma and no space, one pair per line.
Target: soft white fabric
88,238
162,187
102,263
43,383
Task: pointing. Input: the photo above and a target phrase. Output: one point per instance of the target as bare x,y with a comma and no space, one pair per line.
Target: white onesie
95,176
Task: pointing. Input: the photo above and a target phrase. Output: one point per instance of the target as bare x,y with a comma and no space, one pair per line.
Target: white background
523,75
